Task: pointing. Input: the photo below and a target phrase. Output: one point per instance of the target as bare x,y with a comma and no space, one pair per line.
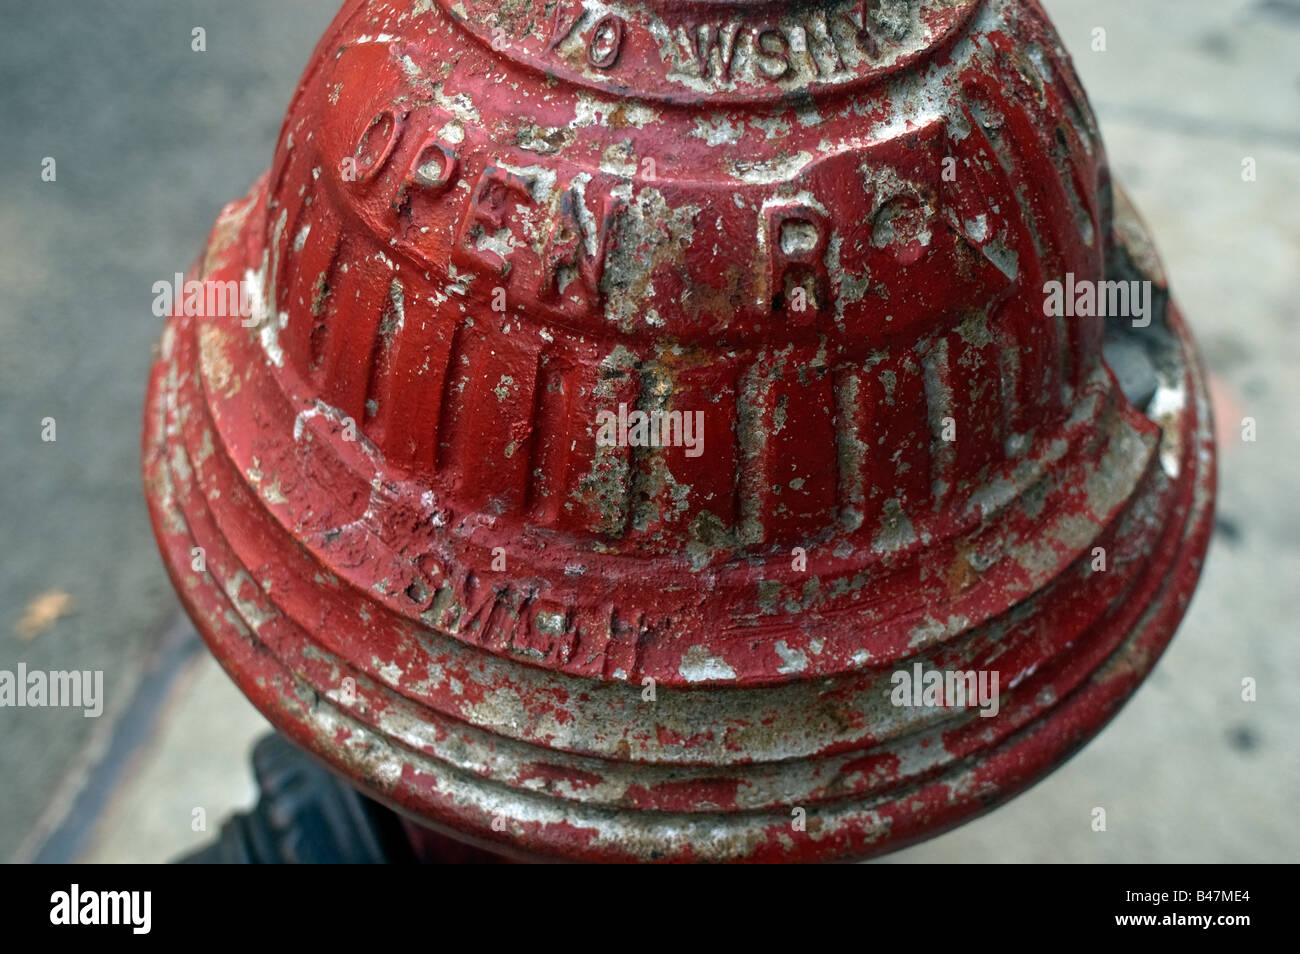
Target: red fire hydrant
682,430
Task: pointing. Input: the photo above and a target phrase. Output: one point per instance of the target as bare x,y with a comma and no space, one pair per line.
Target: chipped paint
627,652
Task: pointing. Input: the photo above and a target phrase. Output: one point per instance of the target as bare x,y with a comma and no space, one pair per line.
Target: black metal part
305,815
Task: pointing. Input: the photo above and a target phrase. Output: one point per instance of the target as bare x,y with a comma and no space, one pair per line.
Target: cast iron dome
825,231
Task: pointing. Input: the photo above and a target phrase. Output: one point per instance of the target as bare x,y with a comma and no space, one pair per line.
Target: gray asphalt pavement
150,139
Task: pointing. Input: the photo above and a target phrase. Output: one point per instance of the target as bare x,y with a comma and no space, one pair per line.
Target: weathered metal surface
828,228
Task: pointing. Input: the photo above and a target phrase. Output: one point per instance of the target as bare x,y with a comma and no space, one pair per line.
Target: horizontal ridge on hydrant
626,395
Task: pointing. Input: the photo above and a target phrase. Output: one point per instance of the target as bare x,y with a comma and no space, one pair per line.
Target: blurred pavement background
151,138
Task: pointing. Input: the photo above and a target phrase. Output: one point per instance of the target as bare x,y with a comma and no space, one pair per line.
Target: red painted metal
826,227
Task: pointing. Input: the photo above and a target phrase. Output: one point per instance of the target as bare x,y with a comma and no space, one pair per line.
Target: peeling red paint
421,563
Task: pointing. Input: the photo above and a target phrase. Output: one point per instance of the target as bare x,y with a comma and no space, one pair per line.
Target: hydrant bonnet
636,395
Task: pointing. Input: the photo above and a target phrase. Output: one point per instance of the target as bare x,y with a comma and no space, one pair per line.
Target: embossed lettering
703,38
566,255
494,195
566,15
434,167
773,51
606,41
796,249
